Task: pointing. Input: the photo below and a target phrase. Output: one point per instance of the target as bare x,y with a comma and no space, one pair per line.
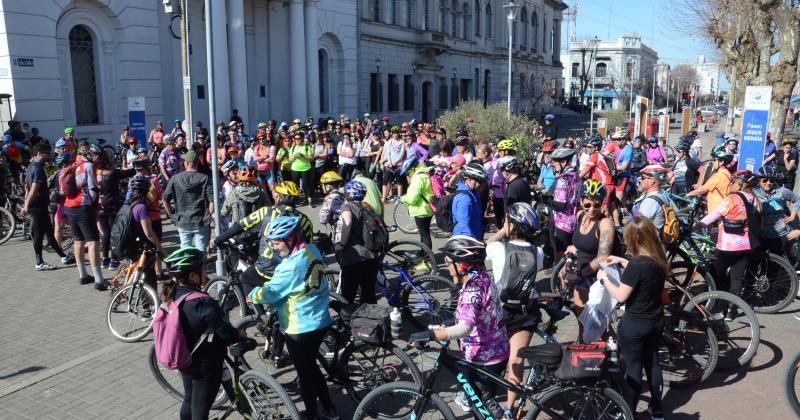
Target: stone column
222,89
237,65
297,46
312,57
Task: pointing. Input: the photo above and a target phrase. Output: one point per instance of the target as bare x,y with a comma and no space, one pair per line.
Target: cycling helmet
524,218
247,174
69,130
169,139
95,149
228,166
723,155
408,164
462,141
509,164
474,170
283,226
465,249
683,145
439,171
788,140
549,117
652,139
331,177
140,184
716,149
63,158
732,141
139,164
394,129
355,190
767,172
594,190
287,188
656,172
185,259
595,141
747,176
505,145
61,143
562,153
549,146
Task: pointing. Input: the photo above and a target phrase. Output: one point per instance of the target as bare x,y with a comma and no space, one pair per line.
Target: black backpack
123,237
444,212
373,231
370,323
638,160
518,282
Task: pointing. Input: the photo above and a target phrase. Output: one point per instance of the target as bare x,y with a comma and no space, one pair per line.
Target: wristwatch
602,283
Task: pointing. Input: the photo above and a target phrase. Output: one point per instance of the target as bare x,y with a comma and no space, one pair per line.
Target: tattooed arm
606,243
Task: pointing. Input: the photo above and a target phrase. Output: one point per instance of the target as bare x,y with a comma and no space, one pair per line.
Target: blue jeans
197,238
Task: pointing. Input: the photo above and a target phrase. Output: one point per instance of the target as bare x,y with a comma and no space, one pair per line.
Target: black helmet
466,249
595,141
683,145
474,170
724,156
140,184
524,218
767,172
747,177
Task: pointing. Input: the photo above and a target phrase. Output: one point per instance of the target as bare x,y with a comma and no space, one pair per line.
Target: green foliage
616,118
484,124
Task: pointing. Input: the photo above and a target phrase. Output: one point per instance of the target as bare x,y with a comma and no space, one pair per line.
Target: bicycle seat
345,310
545,354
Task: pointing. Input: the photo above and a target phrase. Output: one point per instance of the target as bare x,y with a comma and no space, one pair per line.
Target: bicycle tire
234,305
789,388
700,282
375,404
173,390
730,354
131,314
443,308
381,372
555,280
277,406
688,354
8,225
770,284
412,256
403,220
549,401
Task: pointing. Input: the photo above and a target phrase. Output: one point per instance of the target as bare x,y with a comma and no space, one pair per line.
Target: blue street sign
136,120
754,127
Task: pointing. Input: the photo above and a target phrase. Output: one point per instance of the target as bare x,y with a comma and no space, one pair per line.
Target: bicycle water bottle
613,366
397,322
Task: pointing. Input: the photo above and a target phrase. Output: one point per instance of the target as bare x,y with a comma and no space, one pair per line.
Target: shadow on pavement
29,369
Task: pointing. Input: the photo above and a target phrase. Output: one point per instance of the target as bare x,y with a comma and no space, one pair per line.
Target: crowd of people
354,168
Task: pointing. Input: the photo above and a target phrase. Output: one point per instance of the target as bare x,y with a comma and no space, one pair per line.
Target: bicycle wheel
555,280
770,284
234,304
791,384
396,400
267,397
687,355
429,300
264,333
577,402
403,220
7,225
738,337
367,367
172,382
412,256
130,312
694,281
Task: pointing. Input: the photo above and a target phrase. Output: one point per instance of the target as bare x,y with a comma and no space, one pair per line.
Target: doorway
426,101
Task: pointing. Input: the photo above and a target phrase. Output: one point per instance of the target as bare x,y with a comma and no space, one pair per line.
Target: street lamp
512,10
632,62
593,69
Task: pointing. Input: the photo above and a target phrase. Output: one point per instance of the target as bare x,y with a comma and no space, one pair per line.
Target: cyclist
300,293
597,169
393,156
334,197
517,188
373,197
169,162
685,169
564,204
479,318
739,233
623,158
140,201
786,163
202,379
651,181
466,210
81,210
359,265
656,155
778,210
418,198
109,178
245,197
732,147
506,148
717,186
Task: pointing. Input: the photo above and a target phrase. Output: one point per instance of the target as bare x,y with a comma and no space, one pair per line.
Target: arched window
324,80
454,19
523,42
375,5
488,21
442,15
84,82
535,24
477,19
466,18
600,70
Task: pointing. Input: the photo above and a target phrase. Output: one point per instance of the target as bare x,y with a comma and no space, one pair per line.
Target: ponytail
168,290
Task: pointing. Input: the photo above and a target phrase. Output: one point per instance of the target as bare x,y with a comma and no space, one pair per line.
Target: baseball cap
460,160
190,157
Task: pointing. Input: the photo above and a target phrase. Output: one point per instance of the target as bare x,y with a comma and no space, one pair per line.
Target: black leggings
346,171
364,275
499,211
41,227
638,342
106,221
303,350
738,262
251,279
200,388
308,181
424,227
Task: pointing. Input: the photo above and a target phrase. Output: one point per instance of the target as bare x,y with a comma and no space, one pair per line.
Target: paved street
58,360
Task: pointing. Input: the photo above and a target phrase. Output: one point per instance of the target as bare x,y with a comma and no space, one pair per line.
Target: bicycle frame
392,292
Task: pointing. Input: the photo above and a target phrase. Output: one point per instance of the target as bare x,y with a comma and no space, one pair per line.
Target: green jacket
419,195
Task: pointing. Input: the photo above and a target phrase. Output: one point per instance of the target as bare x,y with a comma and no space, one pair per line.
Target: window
535,23
453,93
411,13
374,93
442,93
442,15
544,34
201,91
84,83
408,93
375,6
464,90
628,70
600,70
488,21
575,67
324,77
477,18
426,16
394,93
553,46
477,82
523,42
453,19
466,18
394,11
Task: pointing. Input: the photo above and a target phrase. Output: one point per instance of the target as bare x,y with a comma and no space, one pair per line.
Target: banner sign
663,127
602,127
640,117
755,117
136,122
686,121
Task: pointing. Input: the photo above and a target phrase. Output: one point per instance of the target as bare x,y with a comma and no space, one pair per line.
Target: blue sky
645,17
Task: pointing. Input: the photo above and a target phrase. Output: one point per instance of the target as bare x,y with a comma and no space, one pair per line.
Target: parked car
707,111
664,111
722,110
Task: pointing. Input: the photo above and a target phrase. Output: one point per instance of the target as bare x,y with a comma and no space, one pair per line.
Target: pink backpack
168,337
437,185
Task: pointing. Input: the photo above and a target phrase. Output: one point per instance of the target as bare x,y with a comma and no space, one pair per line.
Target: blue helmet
408,164
652,139
61,143
550,117
355,190
63,158
283,226
7,138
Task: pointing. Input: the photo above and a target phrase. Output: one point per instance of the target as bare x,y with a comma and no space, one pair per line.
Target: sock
82,270
98,274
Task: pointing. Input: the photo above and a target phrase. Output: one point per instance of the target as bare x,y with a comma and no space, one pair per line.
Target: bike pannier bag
169,341
370,323
583,361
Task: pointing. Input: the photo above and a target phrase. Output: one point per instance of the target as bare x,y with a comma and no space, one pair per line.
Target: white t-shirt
250,158
496,255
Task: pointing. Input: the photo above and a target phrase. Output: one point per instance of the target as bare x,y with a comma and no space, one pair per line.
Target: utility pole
594,73
187,80
653,104
211,118
630,106
512,10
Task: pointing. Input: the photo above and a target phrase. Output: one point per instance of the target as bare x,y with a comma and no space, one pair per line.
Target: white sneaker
462,401
45,267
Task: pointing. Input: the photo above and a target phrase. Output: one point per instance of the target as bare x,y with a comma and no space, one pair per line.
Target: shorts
560,239
83,222
158,228
622,182
516,321
59,216
390,175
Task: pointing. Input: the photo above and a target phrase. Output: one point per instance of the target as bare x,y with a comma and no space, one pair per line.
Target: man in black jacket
685,169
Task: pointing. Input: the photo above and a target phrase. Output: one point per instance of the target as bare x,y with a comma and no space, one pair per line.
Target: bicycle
570,399
791,384
406,223
254,394
130,309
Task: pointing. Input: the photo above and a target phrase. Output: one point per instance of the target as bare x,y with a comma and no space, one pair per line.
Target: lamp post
220,266
653,104
511,14
378,87
455,97
594,73
630,105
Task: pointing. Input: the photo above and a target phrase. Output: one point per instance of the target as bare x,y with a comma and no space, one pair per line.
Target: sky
645,17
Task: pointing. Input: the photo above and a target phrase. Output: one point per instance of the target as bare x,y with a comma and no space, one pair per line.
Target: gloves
238,349
421,337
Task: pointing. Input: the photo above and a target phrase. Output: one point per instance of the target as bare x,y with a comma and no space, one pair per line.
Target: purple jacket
419,151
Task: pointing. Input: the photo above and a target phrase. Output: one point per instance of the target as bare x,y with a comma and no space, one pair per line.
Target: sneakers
507,415
146,314
104,263
45,267
113,265
656,414
328,414
86,280
68,259
101,287
462,401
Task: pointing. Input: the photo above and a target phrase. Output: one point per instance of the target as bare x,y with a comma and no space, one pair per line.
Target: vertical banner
602,127
640,117
686,120
136,120
663,127
755,116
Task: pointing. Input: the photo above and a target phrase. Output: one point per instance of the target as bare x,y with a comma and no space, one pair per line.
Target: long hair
641,237
745,187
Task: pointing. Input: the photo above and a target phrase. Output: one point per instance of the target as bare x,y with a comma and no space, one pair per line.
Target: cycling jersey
599,169
565,200
267,258
733,209
479,308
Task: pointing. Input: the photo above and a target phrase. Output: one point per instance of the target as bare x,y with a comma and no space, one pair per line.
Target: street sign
136,121
602,127
754,127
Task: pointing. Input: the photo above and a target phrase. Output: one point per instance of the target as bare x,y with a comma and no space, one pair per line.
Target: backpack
638,160
67,185
52,186
518,281
169,340
370,323
437,186
444,212
753,222
672,226
123,237
611,164
373,231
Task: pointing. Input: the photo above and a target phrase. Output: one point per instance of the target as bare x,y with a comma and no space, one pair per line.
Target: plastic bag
599,307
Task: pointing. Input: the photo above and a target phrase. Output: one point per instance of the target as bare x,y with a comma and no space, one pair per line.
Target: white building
75,62
619,64
709,74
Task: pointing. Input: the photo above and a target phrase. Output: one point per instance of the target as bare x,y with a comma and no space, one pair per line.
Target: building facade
621,67
76,62
709,77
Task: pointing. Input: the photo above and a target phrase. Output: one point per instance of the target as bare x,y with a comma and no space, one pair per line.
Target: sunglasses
767,181
588,206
